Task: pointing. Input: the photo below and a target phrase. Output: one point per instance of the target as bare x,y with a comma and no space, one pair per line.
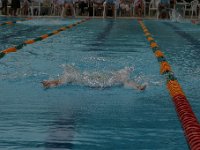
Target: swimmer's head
129,69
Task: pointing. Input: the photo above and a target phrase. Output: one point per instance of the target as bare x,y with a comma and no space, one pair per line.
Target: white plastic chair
36,4
191,8
125,8
104,10
47,7
180,7
153,6
56,8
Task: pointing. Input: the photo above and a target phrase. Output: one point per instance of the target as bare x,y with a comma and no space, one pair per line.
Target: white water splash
95,79
175,16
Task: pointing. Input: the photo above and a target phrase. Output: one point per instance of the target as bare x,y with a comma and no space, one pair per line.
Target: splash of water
95,79
175,16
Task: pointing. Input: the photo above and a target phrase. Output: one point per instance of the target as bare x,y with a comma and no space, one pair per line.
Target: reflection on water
61,134
48,22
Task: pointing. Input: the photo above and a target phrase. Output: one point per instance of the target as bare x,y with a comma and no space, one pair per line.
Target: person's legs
72,10
63,13
139,10
15,12
160,8
81,6
108,10
4,7
25,9
142,9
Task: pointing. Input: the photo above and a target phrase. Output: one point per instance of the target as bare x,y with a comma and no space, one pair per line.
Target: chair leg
31,11
192,14
104,12
93,11
115,15
74,12
157,13
62,12
39,12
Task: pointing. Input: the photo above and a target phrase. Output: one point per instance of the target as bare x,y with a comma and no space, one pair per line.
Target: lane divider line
40,38
13,22
189,121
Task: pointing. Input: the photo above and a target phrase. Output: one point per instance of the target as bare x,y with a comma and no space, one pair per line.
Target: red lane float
184,111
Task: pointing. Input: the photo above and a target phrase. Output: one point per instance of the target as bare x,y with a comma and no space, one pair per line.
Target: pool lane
13,22
195,43
101,37
78,117
9,36
42,37
186,115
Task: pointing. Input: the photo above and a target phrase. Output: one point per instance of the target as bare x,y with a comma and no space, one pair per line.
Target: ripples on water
48,22
78,117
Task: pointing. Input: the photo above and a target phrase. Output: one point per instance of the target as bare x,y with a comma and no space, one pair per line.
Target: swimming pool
79,117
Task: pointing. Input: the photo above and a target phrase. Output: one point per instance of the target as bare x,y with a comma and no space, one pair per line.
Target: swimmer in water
96,80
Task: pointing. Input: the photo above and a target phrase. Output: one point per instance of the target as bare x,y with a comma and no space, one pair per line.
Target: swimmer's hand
134,85
142,87
45,84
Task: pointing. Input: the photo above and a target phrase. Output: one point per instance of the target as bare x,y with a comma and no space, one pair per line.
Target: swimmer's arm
132,84
51,83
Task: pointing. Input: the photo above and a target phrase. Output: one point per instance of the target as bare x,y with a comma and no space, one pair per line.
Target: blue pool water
82,118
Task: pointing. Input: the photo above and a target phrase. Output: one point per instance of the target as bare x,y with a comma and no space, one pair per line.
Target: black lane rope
13,22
